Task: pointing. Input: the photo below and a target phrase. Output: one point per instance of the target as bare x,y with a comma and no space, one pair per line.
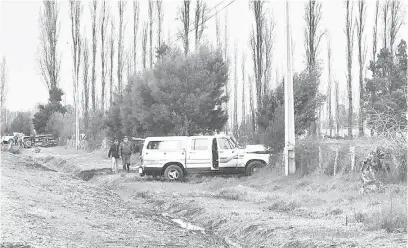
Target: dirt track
42,208
258,211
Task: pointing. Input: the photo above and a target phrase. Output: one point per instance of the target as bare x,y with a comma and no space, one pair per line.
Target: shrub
61,125
282,206
388,218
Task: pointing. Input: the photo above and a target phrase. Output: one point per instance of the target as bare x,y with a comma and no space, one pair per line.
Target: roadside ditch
52,163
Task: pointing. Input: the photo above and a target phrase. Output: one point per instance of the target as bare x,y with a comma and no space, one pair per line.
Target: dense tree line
188,92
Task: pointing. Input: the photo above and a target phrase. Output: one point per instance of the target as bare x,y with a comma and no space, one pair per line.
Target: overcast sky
19,41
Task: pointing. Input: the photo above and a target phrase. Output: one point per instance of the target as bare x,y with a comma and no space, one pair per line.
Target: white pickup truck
9,138
176,156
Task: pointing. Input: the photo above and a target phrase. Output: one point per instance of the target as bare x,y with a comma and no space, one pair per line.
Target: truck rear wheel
253,167
173,173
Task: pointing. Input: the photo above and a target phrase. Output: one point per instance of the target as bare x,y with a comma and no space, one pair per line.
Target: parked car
176,156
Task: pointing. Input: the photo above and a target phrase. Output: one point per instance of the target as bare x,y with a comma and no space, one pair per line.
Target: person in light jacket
114,153
125,152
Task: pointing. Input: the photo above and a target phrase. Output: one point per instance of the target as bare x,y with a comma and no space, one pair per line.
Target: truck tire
253,167
27,143
173,173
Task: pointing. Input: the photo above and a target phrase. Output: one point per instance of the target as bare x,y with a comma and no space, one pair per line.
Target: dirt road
265,210
44,208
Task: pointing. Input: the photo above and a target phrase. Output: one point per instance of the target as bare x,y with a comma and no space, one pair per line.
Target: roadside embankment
267,209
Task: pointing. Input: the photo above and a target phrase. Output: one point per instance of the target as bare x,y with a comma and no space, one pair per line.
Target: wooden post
336,159
353,157
320,157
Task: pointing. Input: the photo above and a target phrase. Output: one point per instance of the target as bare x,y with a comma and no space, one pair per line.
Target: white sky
19,41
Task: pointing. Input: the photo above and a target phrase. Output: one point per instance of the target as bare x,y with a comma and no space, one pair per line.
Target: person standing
125,153
114,153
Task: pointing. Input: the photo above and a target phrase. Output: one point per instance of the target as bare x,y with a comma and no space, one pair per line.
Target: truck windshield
233,141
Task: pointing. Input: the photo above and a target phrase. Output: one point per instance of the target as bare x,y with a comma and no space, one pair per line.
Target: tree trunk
151,33
112,56
361,61
94,44
350,39
136,16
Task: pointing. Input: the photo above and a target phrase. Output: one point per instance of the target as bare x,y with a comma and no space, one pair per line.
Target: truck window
167,145
224,144
200,144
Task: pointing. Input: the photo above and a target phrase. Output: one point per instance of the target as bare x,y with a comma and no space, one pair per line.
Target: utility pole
77,117
289,106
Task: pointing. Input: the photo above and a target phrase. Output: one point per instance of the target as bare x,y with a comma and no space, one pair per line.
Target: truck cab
174,157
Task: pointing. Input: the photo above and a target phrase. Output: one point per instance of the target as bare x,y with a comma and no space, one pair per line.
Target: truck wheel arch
172,163
255,160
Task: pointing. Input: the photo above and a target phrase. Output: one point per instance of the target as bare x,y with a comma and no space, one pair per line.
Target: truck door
199,154
228,154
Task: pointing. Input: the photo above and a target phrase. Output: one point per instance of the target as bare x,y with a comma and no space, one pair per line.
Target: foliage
113,120
180,96
22,123
44,113
96,124
271,115
385,97
61,125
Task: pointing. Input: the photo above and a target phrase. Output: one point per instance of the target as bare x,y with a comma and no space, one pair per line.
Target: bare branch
48,60
93,9
104,19
349,30
151,9
136,17
121,9
144,44
112,55
159,6
185,19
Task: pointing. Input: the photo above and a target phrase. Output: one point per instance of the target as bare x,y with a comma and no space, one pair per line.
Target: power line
209,11
192,29
206,19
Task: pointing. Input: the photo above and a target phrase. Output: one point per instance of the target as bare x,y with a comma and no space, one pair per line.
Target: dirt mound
14,245
21,160
89,174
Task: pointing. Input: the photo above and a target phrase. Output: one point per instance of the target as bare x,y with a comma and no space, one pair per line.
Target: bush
45,112
61,125
22,123
390,218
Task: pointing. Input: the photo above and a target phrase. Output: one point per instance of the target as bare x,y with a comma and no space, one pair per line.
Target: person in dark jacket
125,152
114,153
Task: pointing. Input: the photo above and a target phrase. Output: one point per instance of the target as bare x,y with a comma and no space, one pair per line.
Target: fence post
320,157
353,157
336,159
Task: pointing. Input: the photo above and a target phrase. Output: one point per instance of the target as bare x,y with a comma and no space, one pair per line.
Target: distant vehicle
176,156
9,138
44,140
28,141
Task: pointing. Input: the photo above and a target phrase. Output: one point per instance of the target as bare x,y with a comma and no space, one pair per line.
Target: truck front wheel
173,173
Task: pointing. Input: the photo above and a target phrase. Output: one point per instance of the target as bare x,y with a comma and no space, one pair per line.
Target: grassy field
315,208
